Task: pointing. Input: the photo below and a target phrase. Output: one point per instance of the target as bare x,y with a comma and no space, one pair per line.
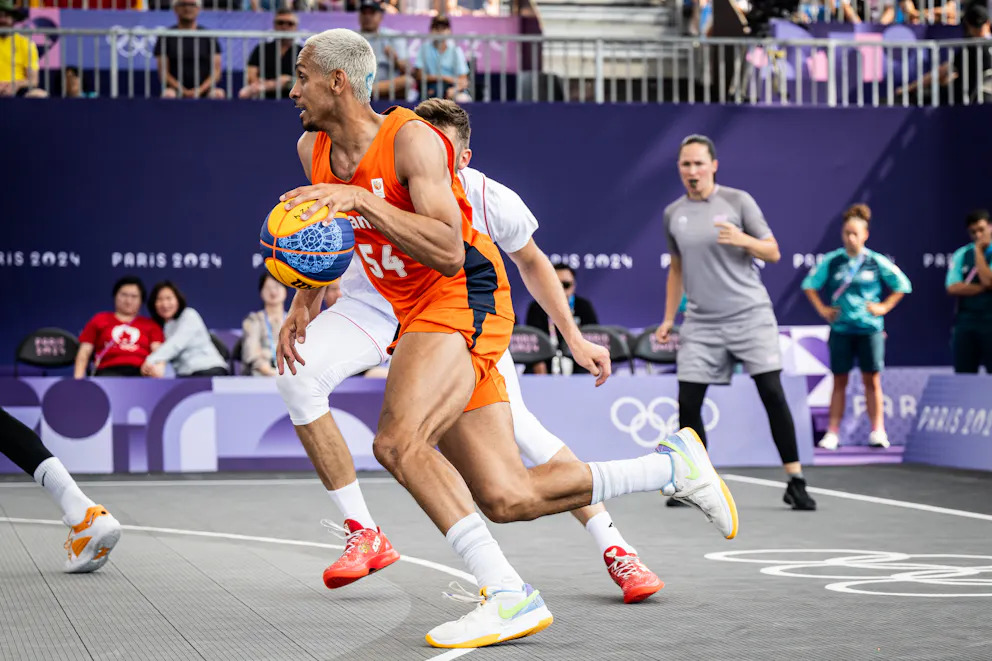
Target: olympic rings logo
665,422
131,43
876,573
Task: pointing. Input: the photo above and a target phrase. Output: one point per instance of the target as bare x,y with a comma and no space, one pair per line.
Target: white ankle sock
472,541
351,503
53,476
606,534
616,478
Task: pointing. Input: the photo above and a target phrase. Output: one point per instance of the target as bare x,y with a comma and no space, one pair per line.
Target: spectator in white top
188,345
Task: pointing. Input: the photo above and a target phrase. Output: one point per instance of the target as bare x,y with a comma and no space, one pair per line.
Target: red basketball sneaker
626,569
365,551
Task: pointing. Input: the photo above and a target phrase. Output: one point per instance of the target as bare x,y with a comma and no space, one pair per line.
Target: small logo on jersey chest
378,188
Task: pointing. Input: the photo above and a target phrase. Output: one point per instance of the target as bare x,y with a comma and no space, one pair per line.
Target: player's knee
391,450
506,505
305,393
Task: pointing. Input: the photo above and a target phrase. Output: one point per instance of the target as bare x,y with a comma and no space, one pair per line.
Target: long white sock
472,541
351,503
53,476
606,534
616,478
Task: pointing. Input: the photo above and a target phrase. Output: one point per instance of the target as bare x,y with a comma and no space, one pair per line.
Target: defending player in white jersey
352,337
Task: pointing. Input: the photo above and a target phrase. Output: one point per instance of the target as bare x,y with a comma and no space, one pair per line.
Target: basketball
306,254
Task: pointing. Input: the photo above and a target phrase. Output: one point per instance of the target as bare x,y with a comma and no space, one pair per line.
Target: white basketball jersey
497,212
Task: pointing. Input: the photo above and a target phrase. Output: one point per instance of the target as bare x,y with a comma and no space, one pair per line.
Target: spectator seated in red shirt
121,339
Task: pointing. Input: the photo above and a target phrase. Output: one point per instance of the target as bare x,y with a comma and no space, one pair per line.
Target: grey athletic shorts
708,350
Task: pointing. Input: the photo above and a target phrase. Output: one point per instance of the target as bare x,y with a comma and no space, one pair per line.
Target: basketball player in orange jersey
395,175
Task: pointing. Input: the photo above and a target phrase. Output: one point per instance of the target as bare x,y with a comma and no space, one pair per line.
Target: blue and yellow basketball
306,254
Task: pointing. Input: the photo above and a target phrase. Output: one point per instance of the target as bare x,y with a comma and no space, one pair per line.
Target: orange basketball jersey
409,286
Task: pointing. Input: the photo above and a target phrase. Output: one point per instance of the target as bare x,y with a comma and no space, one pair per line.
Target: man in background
969,280
391,79
582,312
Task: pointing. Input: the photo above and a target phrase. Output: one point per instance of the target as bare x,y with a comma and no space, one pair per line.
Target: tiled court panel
169,595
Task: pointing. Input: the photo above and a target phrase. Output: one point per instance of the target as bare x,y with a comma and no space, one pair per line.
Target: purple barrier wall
954,427
134,425
178,189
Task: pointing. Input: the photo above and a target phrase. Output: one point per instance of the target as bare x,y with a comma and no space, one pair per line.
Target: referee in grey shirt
714,234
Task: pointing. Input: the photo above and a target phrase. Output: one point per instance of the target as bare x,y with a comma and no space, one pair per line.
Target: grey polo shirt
721,282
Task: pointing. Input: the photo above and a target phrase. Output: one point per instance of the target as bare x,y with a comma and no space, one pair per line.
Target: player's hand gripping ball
306,254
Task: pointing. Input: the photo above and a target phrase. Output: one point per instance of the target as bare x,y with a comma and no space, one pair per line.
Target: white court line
451,571
866,499
262,482
453,654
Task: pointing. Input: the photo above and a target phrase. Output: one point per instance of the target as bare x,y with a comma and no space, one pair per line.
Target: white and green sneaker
695,481
502,614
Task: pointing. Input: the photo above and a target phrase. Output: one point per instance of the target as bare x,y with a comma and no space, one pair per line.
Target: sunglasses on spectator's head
285,23
185,4
567,284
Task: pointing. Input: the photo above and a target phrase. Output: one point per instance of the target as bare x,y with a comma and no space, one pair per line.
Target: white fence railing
125,63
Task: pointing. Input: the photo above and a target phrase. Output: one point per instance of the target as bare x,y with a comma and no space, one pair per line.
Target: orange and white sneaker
626,569
91,540
365,551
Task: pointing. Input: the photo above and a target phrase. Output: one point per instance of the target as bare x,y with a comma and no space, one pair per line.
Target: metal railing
928,12
482,7
122,63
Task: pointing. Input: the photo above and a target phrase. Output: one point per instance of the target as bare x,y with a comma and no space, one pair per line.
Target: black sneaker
796,496
671,502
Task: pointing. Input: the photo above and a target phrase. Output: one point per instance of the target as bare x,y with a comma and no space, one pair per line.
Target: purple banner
183,425
193,179
954,427
491,57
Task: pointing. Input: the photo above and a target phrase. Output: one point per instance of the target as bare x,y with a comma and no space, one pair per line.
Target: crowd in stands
192,66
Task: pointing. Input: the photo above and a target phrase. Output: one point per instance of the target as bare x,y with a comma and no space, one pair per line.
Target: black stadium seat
650,350
225,353
47,348
529,345
613,338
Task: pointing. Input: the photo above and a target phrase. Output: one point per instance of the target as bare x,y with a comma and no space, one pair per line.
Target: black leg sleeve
20,444
691,397
779,416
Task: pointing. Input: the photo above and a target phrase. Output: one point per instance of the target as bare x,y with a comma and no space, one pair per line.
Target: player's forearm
541,281
307,298
433,242
673,292
764,249
965,289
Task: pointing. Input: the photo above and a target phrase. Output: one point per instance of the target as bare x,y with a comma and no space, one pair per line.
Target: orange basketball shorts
487,337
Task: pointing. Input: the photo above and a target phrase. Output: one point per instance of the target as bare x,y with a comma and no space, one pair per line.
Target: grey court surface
229,567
